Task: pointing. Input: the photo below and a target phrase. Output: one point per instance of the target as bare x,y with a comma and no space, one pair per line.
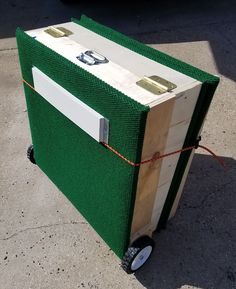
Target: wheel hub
141,258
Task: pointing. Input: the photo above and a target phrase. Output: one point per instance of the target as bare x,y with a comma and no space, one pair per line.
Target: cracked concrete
40,227
44,242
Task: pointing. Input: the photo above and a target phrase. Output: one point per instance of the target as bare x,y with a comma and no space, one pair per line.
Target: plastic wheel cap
141,258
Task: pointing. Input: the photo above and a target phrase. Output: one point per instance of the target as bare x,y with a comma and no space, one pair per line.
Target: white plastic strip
78,112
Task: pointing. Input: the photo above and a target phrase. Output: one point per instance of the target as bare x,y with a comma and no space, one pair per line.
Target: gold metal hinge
156,84
58,31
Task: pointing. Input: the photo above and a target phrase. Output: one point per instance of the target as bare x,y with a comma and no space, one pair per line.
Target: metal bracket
156,84
58,32
91,57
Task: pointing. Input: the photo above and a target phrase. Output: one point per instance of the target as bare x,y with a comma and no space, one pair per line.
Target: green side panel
209,84
98,183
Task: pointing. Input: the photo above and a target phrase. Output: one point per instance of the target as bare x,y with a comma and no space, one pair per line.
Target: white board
126,58
81,114
124,68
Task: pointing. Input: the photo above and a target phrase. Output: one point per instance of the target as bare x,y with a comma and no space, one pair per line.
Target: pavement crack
41,227
8,49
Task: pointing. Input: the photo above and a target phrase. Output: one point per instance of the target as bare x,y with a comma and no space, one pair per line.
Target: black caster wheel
30,154
137,254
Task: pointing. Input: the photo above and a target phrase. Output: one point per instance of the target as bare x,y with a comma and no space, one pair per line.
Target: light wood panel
180,190
149,204
157,126
175,141
126,58
124,68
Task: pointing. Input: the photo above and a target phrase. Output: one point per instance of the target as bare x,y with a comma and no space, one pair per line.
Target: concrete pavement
44,241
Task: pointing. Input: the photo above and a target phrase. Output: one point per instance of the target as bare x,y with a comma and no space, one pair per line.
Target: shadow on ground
198,247
153,22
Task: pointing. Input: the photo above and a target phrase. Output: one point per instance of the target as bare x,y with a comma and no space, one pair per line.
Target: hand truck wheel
137,254
30,154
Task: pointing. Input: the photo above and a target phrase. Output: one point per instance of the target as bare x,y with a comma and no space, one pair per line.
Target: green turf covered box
100,104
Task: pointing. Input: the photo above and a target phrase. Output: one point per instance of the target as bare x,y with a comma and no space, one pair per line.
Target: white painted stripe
78,112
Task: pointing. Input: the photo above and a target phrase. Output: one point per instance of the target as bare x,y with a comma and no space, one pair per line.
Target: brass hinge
58,31
156,84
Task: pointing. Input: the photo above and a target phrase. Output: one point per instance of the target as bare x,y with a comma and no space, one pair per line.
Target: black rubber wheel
30,154
137,254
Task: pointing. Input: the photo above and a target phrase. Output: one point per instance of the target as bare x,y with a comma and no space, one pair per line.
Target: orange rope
155,158
217,158
28,84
